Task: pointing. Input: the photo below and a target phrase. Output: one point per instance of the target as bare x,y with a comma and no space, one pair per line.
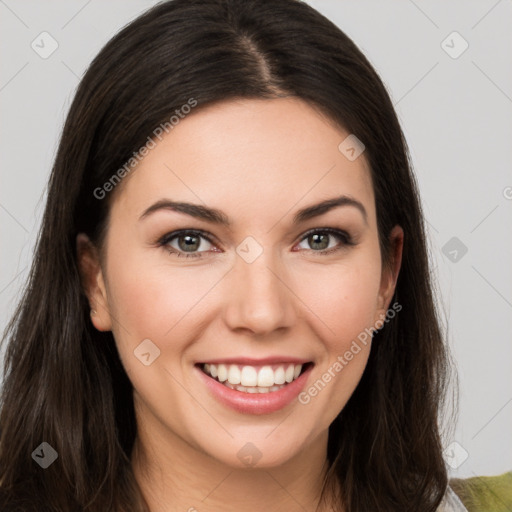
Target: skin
259,161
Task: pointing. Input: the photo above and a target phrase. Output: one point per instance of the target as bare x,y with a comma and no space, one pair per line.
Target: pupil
315,240
189,244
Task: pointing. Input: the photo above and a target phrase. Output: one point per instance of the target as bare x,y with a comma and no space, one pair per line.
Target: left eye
319,239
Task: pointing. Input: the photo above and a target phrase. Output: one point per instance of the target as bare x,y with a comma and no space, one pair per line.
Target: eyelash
343,236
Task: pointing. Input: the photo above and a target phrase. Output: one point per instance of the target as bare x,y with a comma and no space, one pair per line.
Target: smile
254,379
251,386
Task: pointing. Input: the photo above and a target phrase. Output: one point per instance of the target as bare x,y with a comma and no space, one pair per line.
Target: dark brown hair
64,383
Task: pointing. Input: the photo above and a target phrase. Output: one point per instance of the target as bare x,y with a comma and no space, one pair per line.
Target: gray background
456,114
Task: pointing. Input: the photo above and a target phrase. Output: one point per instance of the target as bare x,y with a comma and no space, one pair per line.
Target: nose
260,299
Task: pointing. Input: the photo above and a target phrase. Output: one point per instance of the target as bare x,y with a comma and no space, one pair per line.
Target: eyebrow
219,217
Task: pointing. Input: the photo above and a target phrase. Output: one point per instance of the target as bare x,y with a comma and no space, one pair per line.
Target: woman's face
265,292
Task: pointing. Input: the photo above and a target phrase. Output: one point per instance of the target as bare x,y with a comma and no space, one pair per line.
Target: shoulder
484,493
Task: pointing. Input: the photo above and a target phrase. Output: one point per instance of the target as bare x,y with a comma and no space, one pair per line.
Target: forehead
252,158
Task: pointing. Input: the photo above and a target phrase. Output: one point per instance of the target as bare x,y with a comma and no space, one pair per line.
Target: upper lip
257,362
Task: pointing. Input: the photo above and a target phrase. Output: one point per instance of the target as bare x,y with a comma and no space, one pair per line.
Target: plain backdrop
447,67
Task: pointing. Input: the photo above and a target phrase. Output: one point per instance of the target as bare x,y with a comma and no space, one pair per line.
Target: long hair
64,383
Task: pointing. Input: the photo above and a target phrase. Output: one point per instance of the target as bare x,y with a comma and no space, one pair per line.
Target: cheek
150,302
153,298
344,297
160,302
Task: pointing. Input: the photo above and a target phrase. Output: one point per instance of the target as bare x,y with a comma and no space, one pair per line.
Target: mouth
255,379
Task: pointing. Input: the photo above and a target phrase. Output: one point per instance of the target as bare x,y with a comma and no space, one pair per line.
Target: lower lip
255,403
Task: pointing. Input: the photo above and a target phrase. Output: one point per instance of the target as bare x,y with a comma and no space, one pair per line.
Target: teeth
222,373
250,379
288,374
279,376
249,376
252,389
266,376
233,374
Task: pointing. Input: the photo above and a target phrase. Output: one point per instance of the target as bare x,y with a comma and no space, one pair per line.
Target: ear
91,276
390,272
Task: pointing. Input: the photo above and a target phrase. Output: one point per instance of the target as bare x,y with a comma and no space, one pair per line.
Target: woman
230,304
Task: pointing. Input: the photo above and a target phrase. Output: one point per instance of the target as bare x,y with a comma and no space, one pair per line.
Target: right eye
188,242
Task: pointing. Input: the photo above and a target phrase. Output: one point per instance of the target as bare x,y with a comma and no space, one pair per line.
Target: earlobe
93,284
